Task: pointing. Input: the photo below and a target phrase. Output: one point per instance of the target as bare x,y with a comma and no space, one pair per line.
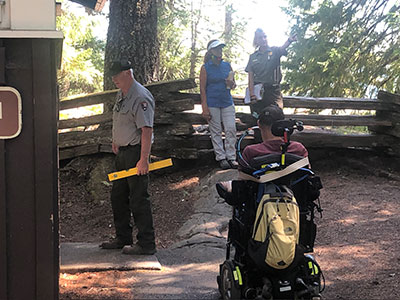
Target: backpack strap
276,174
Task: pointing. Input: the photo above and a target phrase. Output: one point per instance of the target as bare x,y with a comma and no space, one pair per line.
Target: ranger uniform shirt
266,66
130,113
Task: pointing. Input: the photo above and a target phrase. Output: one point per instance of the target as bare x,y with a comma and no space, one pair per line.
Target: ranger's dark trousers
271,95
130,196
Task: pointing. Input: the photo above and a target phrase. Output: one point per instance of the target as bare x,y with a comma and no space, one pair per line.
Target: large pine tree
132,34
345,48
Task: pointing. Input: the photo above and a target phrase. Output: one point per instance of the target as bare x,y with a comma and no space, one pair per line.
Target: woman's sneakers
228,164
233,163
224,164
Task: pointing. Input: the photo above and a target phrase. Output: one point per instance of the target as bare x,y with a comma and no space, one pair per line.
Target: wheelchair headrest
279,127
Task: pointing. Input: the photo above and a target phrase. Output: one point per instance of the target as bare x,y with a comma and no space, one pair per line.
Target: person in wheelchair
275,171
271,144
287,159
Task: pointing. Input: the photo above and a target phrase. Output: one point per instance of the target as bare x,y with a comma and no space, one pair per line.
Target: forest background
345,48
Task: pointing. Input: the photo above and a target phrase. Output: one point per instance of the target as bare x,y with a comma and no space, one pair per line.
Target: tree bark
196,17
132,34
228,31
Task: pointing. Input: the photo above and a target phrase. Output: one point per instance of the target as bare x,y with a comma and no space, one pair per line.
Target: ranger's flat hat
117,66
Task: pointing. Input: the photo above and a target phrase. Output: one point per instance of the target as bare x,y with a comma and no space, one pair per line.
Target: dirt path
358,242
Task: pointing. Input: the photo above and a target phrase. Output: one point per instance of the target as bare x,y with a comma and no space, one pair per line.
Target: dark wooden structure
176,134
96,5
29,254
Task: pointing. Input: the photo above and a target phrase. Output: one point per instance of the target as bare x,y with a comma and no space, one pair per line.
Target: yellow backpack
276,228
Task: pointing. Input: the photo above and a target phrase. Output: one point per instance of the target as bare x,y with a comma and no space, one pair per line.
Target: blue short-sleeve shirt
217,93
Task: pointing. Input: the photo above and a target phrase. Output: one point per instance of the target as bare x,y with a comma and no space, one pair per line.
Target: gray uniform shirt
131,113
266,66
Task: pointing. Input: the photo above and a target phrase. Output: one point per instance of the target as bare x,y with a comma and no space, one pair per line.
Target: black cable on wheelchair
303,177
239,153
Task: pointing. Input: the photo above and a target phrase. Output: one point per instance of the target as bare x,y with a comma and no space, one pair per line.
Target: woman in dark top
264,67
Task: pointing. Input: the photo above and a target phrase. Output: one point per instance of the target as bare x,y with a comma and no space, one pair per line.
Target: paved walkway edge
88,257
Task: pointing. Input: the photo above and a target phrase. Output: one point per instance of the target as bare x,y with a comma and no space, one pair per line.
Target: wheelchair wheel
228,287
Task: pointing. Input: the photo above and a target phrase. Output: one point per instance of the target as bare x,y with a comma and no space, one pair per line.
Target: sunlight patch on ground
89,285
334,257
386,212
348,221
207,266
359,219
184,183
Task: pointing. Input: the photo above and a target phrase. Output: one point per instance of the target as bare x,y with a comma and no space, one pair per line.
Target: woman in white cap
216,82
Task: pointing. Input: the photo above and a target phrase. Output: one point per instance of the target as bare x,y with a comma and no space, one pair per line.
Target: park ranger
132,136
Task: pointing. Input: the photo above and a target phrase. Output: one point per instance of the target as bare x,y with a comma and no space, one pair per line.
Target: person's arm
115,148
143,163
203,96
250,76
230,81
251,86
290,40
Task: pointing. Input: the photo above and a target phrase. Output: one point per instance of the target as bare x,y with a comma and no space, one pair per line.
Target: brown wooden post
392,115
29,255
3,213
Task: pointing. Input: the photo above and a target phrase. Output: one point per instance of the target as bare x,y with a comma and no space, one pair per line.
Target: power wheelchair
240,276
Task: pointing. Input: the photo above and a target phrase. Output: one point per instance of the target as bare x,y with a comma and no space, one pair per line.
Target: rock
97,184
211,214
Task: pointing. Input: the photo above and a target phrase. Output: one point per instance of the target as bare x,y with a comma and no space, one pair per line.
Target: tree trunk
228,32
132,34
228,23
196,17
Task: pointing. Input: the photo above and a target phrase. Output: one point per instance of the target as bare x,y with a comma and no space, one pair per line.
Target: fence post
392,100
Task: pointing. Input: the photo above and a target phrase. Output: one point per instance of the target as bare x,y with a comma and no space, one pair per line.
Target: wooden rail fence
174,125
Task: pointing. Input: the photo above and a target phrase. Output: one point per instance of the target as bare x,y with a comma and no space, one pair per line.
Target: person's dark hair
270,114
208,54
258,30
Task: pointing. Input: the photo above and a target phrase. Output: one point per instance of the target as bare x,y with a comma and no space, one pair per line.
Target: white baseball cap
215,44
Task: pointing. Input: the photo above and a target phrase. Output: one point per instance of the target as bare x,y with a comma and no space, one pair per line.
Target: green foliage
345,48
233,35
83,54
174,56
180,42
